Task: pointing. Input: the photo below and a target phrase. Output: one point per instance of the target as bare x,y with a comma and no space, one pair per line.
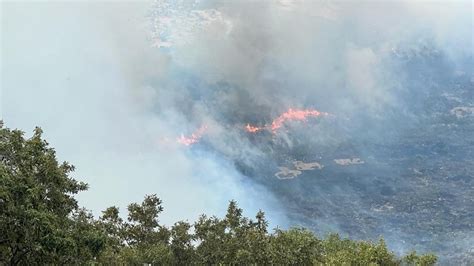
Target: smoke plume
332,115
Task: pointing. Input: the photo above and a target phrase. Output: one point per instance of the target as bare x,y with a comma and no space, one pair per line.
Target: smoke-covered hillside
393,155
347,116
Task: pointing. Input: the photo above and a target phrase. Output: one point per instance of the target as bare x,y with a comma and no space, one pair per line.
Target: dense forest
41,223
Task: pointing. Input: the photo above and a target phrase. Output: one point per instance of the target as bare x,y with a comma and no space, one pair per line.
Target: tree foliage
39,217
41,223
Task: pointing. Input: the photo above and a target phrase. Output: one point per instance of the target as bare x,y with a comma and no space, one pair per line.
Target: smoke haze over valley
346,116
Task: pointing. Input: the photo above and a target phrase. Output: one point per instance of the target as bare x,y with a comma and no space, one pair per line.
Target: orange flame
252,129
194,138
290,115
295,115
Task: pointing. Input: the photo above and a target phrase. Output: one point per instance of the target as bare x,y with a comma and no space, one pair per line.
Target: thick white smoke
81,72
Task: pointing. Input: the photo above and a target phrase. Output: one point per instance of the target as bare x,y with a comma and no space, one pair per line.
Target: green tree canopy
39,217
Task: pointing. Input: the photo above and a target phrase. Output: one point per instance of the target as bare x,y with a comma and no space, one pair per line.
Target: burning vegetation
194,138
277,123
290,115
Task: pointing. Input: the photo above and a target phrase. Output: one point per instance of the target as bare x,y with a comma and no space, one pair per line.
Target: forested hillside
41,223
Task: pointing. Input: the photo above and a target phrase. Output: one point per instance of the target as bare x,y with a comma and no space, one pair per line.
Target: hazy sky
70,68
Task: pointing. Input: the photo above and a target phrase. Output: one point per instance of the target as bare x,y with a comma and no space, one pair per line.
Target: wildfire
194,138
252,129
294,115
290,115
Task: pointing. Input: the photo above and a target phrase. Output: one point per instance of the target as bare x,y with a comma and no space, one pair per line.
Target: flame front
290,115
295,115
194,138
253,129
